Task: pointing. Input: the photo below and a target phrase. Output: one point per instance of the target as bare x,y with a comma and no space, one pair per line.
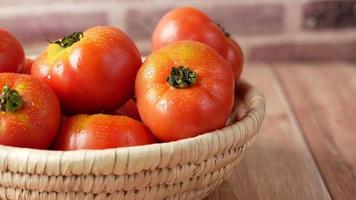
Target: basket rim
253,99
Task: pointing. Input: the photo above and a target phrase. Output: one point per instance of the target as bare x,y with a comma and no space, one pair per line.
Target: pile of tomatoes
90,90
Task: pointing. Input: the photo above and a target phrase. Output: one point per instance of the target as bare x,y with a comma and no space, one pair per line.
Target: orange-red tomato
183,90
235,57
29,112
27,66
90,72
129,109
101,131
188,23
11,53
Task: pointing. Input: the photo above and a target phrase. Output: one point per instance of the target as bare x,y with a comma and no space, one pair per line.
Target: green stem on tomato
69,40
10,100
181,77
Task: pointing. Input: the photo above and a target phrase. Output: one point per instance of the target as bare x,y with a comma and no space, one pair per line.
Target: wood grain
323,98
278,165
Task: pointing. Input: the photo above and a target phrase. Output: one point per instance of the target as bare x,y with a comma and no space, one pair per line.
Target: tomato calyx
10,100
181,77
222,28
69,40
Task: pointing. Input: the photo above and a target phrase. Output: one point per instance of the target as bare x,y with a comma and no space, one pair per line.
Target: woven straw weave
186,169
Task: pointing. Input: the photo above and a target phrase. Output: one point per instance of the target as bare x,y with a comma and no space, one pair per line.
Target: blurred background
268,30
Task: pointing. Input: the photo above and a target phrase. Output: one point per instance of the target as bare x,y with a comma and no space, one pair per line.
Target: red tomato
90,72
183,90
101,131
235,57
129,109
188,23
29,112
11,53
27,67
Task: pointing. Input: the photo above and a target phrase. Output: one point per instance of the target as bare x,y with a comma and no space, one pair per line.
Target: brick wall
268,30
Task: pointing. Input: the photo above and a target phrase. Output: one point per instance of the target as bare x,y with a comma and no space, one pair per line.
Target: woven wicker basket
186,169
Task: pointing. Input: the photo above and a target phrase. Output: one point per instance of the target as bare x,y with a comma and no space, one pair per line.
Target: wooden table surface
306,147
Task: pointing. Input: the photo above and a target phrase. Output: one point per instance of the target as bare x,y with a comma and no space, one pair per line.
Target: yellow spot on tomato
2,128
22,118
56,52
21,87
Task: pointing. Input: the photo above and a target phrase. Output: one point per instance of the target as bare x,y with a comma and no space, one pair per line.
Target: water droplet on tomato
59,68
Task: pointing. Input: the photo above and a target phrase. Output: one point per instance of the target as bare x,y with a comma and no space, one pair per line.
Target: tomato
183,90
235,57
29,112
129,109
27,66
101,131
11,53
188,23
91,72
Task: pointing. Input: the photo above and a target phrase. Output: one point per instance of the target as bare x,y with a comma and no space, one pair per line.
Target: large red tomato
101,131
11,53
29,112
188,23
91,72
183,90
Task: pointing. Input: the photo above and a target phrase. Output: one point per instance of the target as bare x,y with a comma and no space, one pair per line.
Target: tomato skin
95,74
101,131
235,57
129,109
188,23
173,114
12,54
35,125
27,66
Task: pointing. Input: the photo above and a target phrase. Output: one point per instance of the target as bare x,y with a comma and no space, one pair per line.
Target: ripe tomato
188,23
183,90
235,57
91,72
101,131
11,53
29,112
27,66
129,109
